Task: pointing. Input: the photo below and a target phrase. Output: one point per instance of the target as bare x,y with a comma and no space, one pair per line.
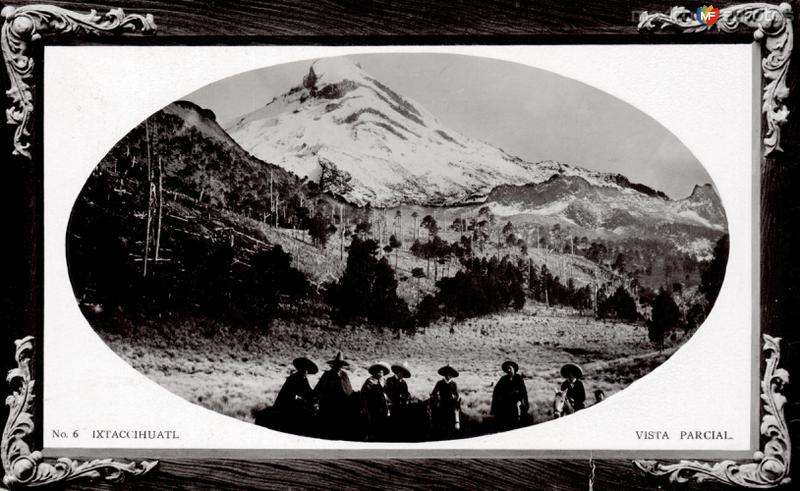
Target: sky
528,112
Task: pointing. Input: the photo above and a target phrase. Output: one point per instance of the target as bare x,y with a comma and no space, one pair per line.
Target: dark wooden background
407,21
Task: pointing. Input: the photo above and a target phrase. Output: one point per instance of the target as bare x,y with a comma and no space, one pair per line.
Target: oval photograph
397,247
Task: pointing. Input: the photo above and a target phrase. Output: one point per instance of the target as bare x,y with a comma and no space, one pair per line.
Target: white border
94,95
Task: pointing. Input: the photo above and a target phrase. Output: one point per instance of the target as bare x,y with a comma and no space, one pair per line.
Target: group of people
384,406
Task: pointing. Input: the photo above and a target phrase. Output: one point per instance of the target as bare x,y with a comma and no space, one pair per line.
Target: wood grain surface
483,474
211,21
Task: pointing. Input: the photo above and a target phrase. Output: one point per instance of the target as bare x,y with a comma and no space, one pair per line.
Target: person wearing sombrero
399,400
396,386
295,401
376,403
333,393
573,386
509,398
446,404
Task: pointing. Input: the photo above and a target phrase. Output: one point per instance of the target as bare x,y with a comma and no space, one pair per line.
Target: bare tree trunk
149,200
160,206
277,207
400,236
271,203
341,233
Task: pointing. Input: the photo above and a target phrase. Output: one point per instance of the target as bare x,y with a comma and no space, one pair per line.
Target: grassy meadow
236,371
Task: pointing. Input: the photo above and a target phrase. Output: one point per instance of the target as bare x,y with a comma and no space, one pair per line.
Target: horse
561,404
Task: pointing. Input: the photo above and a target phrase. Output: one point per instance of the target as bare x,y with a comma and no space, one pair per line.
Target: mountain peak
202,119
191,106
393,149
705,202
333,70
702,191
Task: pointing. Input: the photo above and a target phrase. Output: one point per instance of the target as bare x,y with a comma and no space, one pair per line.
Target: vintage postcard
317,253
412,249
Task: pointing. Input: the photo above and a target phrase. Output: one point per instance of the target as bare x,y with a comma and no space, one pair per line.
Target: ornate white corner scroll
771,465
772,25
24,25
24,467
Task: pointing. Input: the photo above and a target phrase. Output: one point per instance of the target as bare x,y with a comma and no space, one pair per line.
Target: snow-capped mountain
379,146
364,142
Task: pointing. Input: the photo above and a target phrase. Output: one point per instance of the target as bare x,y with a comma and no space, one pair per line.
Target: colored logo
708,15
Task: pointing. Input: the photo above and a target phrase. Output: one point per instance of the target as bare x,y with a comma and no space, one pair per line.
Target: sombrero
339,360
304,363
512,363
571,368
380,365
401,368
447,369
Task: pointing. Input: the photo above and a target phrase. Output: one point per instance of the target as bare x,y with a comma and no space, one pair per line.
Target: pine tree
712,278
666,317
534,283
367,288
395,244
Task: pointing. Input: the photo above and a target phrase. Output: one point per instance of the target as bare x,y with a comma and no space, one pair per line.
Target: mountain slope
390,148
203,159
578,202
692,224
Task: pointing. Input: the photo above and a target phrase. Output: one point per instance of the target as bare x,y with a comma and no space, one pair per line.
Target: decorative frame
771,24
771,465
24,26
24,467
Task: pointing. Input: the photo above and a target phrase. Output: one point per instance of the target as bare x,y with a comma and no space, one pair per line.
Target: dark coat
510,400
294,404
445,407
397,391
375,401
295,394
575,393
333,388
333,393
445,395
337,415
